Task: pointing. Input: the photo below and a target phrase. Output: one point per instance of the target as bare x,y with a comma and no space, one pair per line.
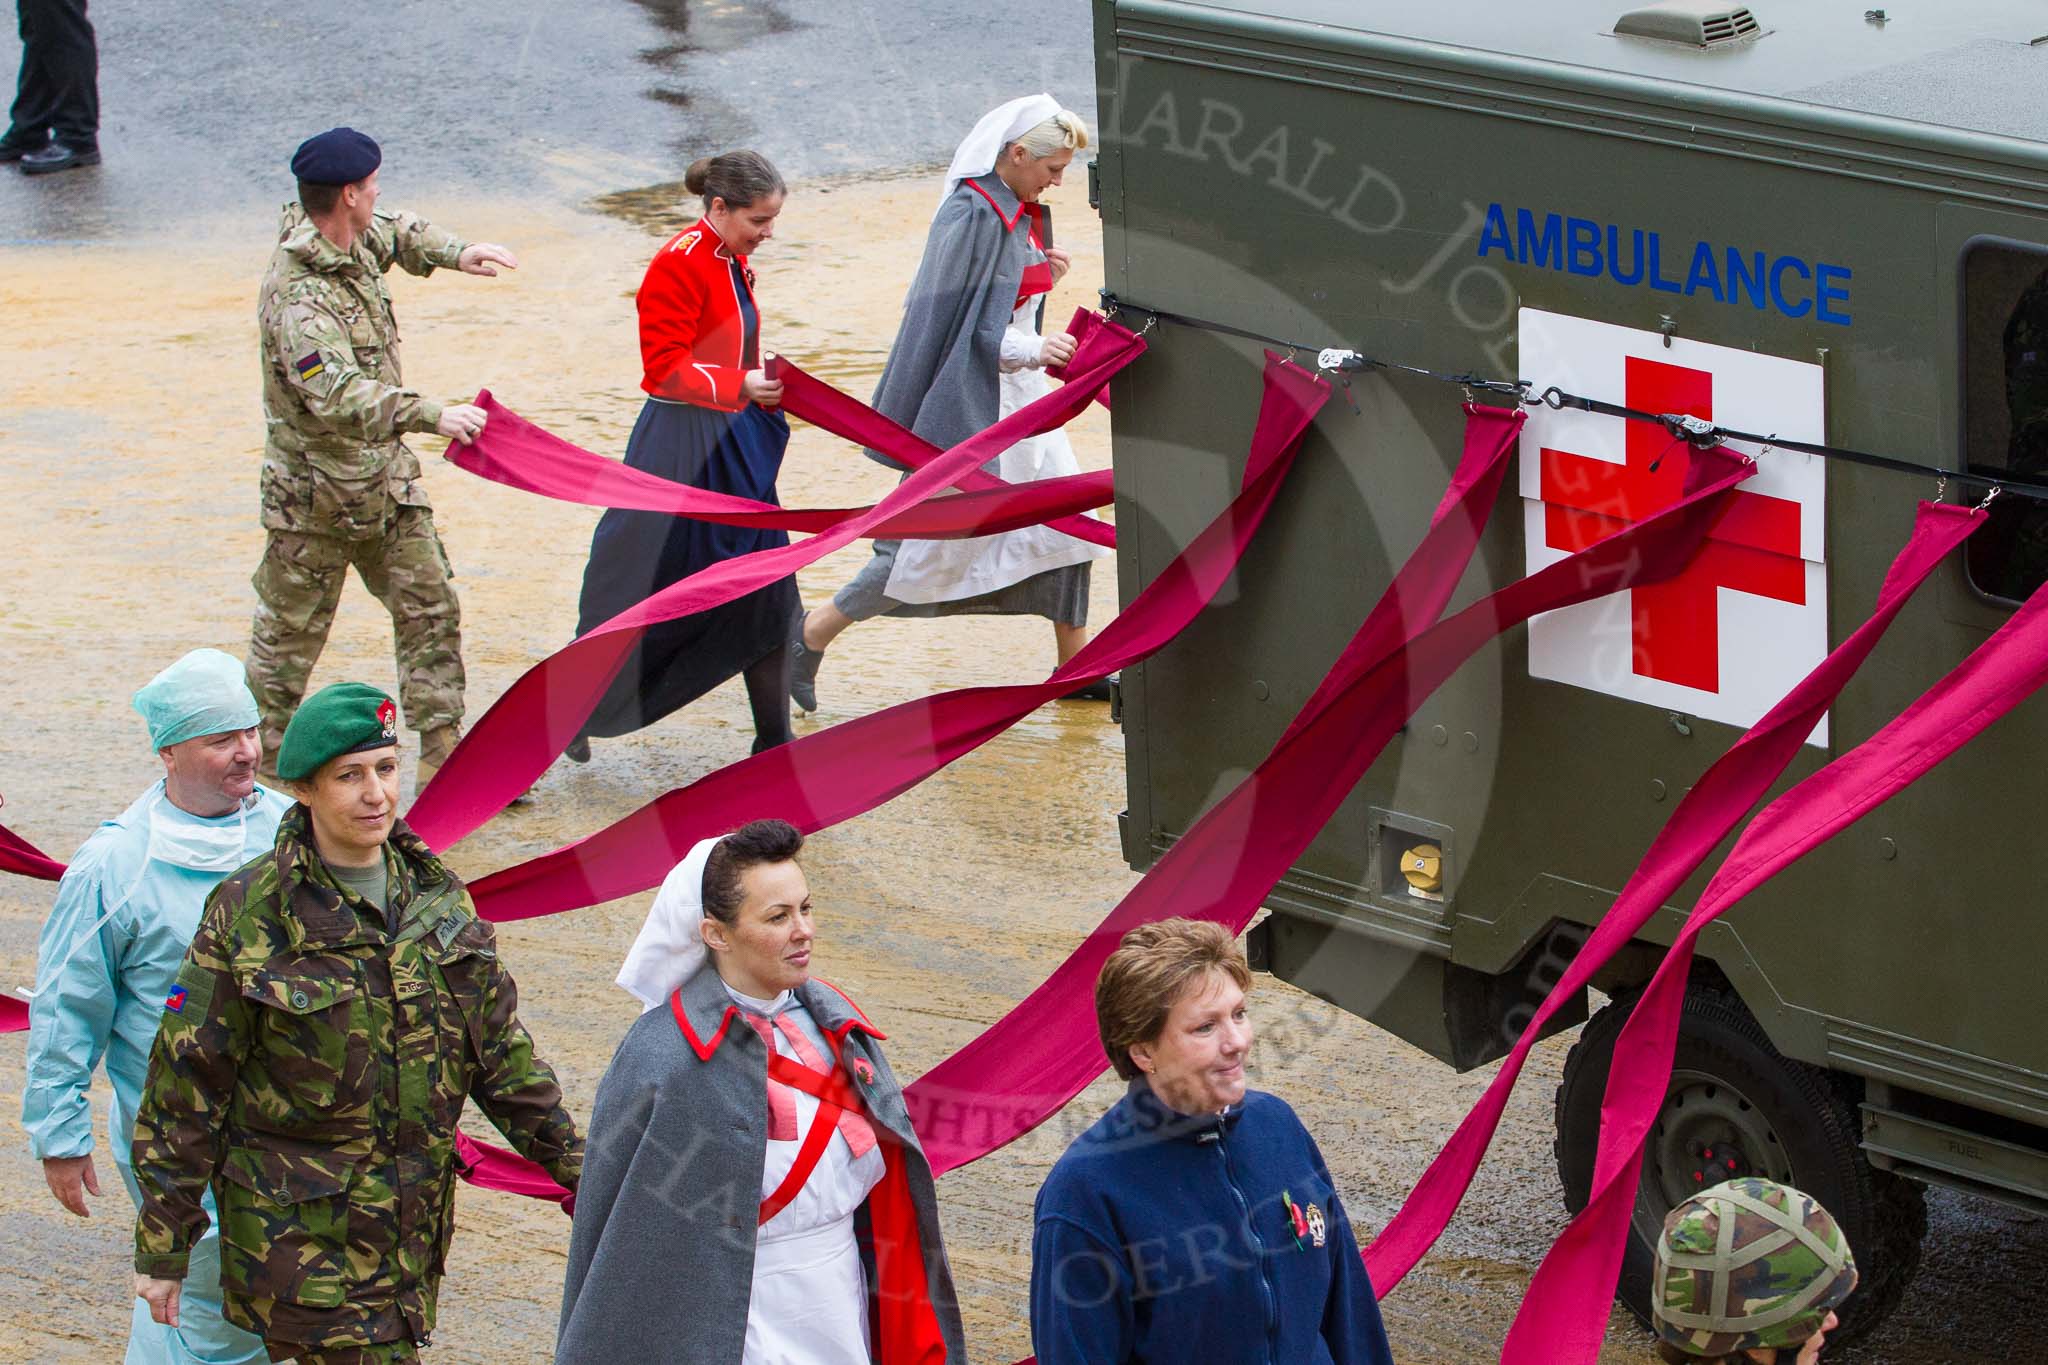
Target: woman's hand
1057,350
1059,260
162,1298
758,388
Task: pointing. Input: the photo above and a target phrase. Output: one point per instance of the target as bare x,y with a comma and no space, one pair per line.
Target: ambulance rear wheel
1736,1107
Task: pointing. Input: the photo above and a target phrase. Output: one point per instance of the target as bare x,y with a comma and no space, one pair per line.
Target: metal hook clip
1151,321
1941,488
1990,497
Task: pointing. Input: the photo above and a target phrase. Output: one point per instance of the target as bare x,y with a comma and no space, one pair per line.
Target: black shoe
578,750
15,151
803,669
763,743
58,157
1095,691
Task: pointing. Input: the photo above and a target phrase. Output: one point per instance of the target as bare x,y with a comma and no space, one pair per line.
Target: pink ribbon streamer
528,727
491,1167
830,410
1041,1054
19,856
518,454
821,779
1566,1308
1710,810
866,761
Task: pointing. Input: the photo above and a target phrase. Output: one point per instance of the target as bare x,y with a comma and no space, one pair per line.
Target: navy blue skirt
636,554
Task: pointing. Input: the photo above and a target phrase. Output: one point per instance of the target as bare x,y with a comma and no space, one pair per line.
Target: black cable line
1694,431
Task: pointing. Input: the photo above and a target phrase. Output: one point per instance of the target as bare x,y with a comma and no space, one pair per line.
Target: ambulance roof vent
1694,23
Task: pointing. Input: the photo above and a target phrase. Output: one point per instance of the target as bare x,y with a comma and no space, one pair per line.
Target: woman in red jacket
710,421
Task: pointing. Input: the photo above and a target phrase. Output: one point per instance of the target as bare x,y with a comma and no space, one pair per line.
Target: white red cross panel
1748,618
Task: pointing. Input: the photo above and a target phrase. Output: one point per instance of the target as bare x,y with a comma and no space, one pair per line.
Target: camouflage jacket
312,1066
334,403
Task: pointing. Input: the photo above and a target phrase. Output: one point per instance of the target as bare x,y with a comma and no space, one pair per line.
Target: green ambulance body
1837,220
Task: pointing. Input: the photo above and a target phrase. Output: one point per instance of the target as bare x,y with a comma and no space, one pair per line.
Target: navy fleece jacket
1166,1239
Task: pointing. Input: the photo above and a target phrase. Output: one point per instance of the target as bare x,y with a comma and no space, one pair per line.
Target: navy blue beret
339,156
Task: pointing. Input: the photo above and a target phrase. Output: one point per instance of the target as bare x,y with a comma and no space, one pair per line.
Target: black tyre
1736,1107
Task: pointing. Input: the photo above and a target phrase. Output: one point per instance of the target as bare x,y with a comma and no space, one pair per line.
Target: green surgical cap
204,693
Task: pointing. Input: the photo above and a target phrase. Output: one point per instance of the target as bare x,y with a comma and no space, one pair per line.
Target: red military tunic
698,334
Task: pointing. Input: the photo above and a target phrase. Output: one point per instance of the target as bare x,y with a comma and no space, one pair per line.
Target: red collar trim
859,1020
702,1049
1009,225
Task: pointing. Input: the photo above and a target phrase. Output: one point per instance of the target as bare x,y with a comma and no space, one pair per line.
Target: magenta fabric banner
830,410
875,757
1711,809
529,726
20,856
518,454
1041,1054
821,779
1566,1308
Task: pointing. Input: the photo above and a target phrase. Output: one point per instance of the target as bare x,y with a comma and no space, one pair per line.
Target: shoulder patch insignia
175,1001
310,366
688,241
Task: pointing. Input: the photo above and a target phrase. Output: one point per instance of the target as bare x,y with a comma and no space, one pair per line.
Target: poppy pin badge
864,1070
387,716
1297,1221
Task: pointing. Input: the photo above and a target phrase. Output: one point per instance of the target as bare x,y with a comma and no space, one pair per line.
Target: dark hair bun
699,175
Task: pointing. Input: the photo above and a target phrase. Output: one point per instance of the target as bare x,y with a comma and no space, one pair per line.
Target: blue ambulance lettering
1787,285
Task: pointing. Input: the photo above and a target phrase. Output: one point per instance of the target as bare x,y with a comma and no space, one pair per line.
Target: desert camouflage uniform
339,486
1770,1280
311,1066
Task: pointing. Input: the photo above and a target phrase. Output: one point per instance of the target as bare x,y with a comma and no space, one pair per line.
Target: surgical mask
181,841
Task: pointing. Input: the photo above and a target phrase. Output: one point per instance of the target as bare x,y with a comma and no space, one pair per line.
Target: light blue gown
105,968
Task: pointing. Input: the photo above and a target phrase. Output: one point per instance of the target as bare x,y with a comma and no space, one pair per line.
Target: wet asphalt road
202,103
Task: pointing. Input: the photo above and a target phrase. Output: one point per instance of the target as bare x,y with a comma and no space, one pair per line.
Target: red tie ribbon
860,1137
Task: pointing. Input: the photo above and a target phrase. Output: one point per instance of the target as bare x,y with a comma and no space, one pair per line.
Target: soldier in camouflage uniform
1745,1270
339,486
314,1058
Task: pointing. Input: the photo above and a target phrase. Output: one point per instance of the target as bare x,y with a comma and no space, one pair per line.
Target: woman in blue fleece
1195,1221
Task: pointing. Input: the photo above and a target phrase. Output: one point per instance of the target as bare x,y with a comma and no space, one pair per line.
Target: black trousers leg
28,121
768,696
58,89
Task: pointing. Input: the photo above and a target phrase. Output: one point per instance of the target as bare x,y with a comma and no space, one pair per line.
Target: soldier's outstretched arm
517,1089
320,365
411,243
192,1068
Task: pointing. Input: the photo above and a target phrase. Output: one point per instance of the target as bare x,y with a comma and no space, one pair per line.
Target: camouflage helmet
1746,1265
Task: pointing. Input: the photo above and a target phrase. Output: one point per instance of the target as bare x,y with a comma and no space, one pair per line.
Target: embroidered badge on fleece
1308,1226
309,366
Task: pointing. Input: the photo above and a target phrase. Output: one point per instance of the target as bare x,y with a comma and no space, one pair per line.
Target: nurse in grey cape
968,353
752,1190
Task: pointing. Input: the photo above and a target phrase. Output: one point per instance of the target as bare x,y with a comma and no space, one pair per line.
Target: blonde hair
1064,131
1148,973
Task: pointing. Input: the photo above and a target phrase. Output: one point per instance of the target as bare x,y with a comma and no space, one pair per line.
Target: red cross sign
1747,618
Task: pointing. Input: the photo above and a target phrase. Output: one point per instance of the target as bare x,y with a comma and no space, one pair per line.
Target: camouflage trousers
298,586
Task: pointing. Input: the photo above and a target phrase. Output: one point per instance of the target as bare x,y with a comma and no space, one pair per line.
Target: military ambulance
1800,218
